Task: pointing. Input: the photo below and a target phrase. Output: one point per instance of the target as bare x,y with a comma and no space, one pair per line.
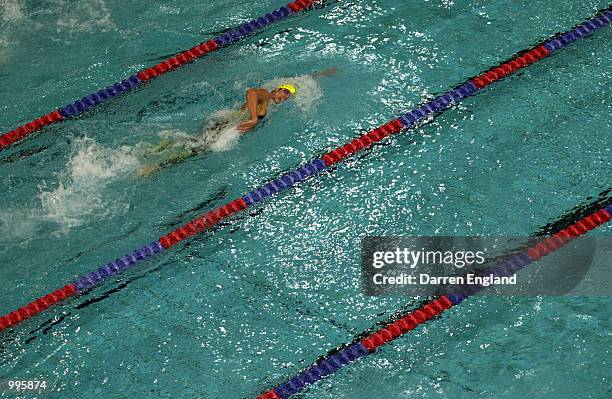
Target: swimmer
258,100
223,126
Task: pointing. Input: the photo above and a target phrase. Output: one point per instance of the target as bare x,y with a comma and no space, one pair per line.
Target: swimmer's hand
247,125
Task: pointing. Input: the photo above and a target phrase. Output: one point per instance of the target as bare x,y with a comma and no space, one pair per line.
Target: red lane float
22,131
37,306
203,222
407,323
509,67
559,239
362,142
181,59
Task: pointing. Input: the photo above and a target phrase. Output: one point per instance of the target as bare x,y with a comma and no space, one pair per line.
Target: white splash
219,134
11,13
18,225
80,190
85,16
12,10
3,51
225,138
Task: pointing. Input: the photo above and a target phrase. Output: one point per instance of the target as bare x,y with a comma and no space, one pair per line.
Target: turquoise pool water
239,309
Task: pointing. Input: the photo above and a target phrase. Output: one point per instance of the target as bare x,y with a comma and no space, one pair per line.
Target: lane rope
212,218
329,364
93,100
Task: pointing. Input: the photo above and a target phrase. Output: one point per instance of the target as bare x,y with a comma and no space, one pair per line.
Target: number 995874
7,384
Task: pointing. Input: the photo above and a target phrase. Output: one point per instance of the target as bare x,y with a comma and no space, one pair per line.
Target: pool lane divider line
212,218
93,100
330,364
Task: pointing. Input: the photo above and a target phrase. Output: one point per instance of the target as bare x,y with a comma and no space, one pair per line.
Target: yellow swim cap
289,87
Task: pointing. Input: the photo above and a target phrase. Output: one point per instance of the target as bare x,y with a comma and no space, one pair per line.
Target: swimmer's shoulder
258,90
263,95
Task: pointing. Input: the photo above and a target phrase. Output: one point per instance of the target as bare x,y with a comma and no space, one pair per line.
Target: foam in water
11,10
11,13
17,226
80,191
85,16
219,134
226,137
3,51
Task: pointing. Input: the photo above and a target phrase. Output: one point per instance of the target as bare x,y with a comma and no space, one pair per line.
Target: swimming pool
237,310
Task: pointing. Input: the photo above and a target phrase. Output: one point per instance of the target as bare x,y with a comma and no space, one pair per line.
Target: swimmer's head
282,93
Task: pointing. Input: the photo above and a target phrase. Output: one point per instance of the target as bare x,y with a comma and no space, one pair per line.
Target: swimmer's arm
252,98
